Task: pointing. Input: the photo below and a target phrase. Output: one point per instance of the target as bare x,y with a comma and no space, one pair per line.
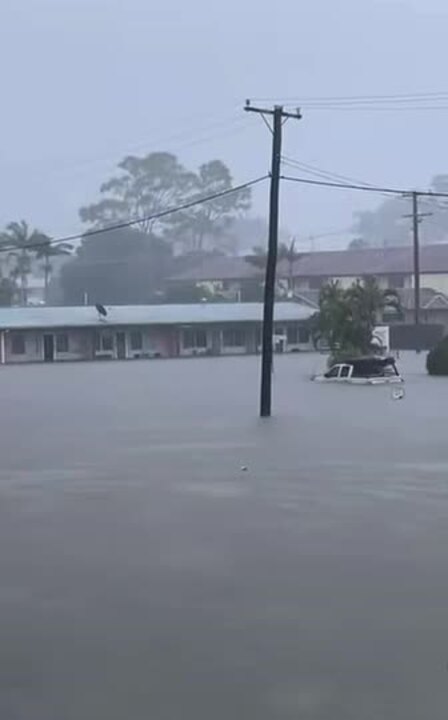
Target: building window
233,337
17,344
315,283
396,282
62,344
107,341
194,339
298,335
104,342
136,340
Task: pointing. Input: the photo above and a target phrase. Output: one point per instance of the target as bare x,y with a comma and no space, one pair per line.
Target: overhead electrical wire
320,172
184,139
354,99
365,188
136,221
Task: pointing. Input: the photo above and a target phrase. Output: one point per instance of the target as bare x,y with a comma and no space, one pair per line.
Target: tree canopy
118,267
386,226
348,316
157,182
21,243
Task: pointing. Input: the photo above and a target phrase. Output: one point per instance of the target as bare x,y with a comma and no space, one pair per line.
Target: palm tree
44,250
289,253
367,302
347,317
21,241
286,252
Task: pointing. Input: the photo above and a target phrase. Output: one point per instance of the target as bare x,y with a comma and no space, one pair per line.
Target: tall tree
158,182
206,225
119,267
45,251
8,290
385,226
22,243
287,253
145,186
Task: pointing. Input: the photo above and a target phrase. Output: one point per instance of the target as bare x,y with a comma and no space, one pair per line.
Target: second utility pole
415,223
416,218
279,116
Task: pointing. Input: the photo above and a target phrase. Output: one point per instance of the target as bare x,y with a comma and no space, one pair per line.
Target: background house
392,267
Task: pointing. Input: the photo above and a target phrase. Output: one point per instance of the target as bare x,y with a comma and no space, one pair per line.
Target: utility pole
279,116
415,223
416,220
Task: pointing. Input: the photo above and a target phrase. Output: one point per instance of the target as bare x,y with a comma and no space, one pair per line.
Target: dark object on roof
101,310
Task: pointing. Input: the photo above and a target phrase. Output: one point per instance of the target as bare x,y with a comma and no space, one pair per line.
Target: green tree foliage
145,186
437,359
22,243
8,290
208,224
158,182
286,253
45,251
348,316
117,267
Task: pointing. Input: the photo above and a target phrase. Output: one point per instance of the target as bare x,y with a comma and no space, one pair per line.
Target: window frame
100,335
192,334
136,347
237,337
60,337
18,336
334,372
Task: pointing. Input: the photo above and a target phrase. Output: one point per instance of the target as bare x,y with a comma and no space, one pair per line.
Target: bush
437,359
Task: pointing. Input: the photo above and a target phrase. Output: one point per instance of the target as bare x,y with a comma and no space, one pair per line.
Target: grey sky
86,81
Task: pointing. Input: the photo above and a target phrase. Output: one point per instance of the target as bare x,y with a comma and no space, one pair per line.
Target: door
121,345
345,372
48,348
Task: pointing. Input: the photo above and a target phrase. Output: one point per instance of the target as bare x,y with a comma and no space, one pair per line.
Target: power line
186,138
365,188
136,221
374,108
334,99
326,174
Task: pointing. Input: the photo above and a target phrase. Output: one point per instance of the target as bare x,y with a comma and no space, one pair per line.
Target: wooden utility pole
415,223
416,218
279,117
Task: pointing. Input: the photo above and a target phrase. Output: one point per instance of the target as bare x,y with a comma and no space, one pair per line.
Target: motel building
48,334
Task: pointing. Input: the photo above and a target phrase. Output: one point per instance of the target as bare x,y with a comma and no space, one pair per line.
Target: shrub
437,359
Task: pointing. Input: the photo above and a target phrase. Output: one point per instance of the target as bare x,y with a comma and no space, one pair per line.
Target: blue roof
87,316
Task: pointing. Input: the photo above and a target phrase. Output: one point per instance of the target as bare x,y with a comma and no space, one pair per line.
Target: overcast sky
85,82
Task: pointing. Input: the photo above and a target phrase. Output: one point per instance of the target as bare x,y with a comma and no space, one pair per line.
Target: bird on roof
101,310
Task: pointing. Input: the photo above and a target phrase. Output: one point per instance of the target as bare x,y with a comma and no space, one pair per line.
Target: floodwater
145,574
